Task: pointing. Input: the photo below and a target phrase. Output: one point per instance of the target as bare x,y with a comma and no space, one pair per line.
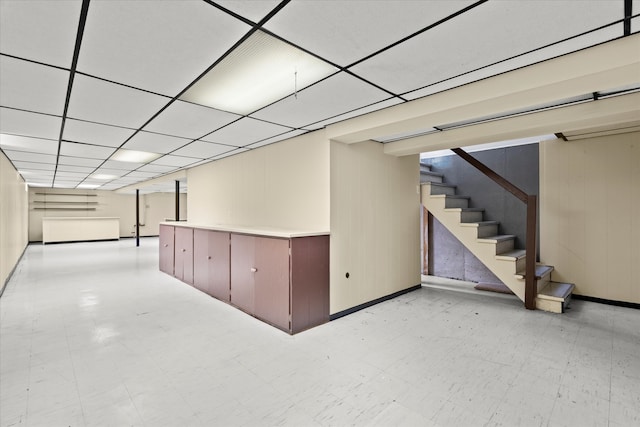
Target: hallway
92,334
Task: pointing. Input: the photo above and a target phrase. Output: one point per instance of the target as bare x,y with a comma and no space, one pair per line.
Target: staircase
496,251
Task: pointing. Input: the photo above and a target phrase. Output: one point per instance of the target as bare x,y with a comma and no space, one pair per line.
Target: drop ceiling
81,79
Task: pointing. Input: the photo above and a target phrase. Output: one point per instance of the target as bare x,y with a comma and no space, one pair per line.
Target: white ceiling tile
635,22
126,180
94,133
36,173
245,131
64,175
492,31
115,164
155,142
203,150
521,61
252,10
189,120
336,95
24,143
85,150
35,166
157,168
79,161
43,31
66,183
99,101
29,124
347,31
32,87
73,168
355,113
107,171
158,46
23,156
177,161
111,186
142,175
277,138
231,153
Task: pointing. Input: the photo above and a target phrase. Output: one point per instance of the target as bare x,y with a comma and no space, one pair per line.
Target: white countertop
259,231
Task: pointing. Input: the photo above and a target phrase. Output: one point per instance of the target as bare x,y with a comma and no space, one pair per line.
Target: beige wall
368,200
13,218
154,208
284,185
590,214
375,224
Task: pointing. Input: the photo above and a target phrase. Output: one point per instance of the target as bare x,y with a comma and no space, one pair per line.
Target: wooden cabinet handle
184,250
209,257
166,245
253,269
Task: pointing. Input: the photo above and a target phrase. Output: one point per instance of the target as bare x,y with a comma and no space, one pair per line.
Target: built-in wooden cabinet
260,277
282,279
211,266
166,248
183,254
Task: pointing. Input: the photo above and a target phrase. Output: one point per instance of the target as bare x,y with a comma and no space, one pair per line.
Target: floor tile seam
75,376
133,402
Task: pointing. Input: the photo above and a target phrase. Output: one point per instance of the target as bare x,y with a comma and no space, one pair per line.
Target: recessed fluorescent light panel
133,156
88,186
260,71
103,176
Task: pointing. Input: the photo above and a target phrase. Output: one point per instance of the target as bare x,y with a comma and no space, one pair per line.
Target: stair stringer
504,269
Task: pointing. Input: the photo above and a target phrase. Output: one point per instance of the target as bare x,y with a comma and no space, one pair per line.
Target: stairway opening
474,230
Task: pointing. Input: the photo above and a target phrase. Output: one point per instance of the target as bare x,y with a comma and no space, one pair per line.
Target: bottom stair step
555,297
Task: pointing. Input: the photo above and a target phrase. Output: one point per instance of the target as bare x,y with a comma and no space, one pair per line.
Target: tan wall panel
375,224
13,218
284,185
590,214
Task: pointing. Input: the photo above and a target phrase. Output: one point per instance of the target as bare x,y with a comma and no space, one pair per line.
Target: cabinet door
271,280
242,275
184,254
166,249
219,268
201,259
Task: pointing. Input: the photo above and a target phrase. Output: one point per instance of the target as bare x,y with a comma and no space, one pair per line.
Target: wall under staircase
500,253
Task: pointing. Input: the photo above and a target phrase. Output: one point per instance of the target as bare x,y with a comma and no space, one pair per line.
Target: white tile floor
92,334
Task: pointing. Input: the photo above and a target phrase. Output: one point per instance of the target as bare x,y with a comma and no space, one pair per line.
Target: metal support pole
530,286
177,217
137,217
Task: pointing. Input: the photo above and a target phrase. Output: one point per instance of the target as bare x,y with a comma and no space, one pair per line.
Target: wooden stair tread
512,255
541,271
463,209
448,196
496,239
423,172
439,184
556,291
479,223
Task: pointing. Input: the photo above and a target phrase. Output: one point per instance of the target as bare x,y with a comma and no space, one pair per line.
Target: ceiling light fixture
103,176
88,186
260,71
133,156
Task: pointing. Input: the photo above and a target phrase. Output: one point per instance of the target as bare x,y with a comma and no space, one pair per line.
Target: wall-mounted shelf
65,202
